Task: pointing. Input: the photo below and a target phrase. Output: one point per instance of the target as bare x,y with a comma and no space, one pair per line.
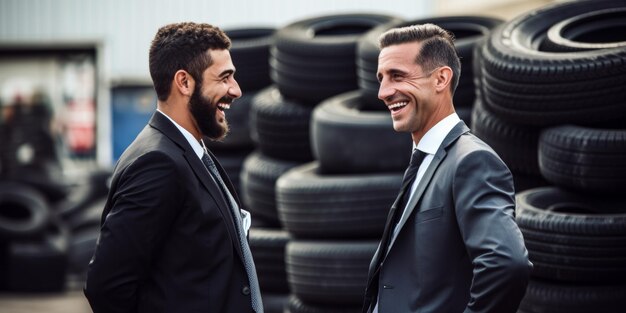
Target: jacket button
245,290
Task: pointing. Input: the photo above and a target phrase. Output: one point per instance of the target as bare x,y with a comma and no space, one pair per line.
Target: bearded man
173,235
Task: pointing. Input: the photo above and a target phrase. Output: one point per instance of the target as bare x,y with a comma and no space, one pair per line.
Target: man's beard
204,112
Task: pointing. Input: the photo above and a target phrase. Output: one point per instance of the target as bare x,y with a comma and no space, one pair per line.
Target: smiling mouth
397,106
223,106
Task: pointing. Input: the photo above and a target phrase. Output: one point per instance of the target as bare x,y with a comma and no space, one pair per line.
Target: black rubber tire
551,209
347,139
515,144
584,87
307,71
574,250
238,118
601,29
39,265
24,213
268,250
555,217
325,41
295,305
550,297
327,36
329,272
280,127
250,54
590,160
258,180
468,30
313,205
87,190
89,217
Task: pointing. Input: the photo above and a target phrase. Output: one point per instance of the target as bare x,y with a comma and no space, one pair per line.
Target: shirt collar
195,144
434,137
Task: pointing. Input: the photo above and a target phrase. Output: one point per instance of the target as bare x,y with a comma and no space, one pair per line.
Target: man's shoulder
149,143
469,145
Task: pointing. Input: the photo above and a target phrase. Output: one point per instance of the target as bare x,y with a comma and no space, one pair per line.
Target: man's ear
183,83
443,77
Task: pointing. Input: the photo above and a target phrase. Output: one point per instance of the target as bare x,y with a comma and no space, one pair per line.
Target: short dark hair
437,47
183,46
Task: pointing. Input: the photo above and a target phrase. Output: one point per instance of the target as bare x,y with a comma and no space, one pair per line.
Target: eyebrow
226,73
390,72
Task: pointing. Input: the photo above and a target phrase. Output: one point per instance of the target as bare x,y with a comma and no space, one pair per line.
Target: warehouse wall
126,27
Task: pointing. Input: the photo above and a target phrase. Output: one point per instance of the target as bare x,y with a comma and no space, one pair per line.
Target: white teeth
397,105
224,106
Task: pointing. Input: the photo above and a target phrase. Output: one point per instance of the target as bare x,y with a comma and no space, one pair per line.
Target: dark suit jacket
168,241
459,248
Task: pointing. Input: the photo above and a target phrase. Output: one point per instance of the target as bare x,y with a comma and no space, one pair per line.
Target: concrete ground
66,302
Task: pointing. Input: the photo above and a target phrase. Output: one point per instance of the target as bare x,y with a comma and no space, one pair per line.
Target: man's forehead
408,49
220,61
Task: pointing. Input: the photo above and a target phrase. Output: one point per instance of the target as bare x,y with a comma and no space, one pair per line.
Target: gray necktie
257,303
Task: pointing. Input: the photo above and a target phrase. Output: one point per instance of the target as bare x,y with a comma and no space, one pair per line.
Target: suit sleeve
485,210
143,208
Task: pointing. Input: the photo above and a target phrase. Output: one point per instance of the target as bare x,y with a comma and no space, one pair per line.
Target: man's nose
385,91
234,91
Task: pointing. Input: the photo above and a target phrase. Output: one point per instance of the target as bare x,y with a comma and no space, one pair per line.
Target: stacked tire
41,212
314,59
548,68
335,207
310,60
552,104
33,244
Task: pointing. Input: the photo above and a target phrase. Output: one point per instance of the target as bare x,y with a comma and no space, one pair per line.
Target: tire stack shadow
551,102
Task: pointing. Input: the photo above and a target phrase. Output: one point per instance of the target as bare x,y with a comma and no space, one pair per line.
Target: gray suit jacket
458,248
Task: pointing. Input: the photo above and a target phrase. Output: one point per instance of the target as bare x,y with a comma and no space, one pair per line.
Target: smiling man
173,235
451,243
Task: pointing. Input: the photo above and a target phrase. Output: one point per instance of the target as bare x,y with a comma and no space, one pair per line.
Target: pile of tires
310,60
314,58
42,243
41,209
551,103
335,207
560,64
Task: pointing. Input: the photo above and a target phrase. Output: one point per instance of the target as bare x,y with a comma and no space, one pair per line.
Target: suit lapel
164,125
458,130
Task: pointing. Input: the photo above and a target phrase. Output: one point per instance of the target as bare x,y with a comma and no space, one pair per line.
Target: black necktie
257,303
409,177
392,219
396,211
